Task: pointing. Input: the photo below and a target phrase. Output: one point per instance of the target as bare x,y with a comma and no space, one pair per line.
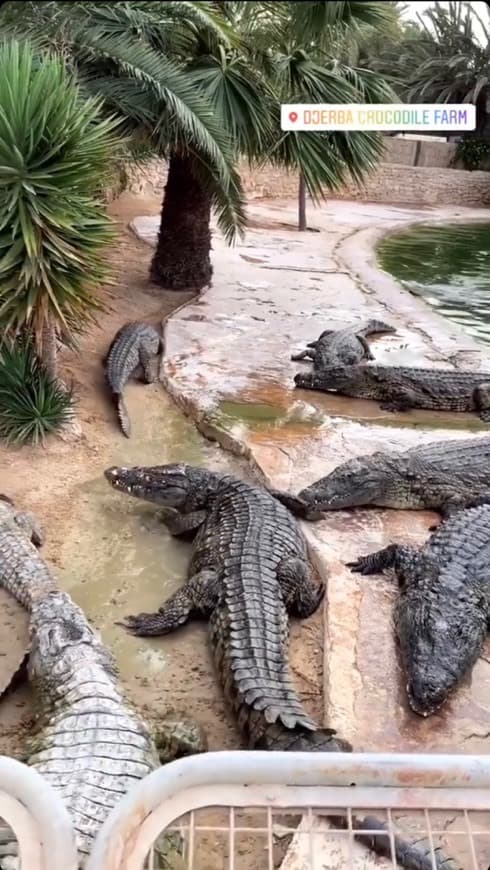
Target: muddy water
119,557
449,266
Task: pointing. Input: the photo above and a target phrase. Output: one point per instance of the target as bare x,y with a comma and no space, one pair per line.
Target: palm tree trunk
49,349
182,257
302,203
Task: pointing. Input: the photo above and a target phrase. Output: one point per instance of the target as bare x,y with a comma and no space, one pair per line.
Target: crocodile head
173,486
332,377
437,650
428,690
356,482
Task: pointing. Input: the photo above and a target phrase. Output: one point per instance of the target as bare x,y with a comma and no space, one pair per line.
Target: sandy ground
62,483
48,480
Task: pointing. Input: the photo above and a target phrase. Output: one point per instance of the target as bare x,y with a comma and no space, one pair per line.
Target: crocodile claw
143,625
132,624
360,566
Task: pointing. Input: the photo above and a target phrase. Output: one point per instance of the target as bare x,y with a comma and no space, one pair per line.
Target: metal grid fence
263,811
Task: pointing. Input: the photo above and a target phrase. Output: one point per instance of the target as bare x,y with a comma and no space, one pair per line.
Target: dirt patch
62,484
47,479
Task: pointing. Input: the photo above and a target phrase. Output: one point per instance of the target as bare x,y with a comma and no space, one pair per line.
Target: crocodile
343,346
249,570
88,742
443,609
15,528
442,476
399,388
134,345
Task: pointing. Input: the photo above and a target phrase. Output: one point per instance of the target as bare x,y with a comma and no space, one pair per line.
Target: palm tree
54,150
278,58
234,63
442,59
131,57
300,47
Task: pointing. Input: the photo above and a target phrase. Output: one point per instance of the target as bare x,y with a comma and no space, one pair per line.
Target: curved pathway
228,365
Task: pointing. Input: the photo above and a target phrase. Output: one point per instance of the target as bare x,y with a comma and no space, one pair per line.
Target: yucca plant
55,149
32,404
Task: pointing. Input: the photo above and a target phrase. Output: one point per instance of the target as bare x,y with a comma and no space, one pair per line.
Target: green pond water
449,266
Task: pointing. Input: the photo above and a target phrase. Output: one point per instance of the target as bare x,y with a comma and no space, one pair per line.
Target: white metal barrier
38,818
442,798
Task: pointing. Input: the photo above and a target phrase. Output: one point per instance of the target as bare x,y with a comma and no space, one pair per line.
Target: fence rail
250,810
441,792
37,817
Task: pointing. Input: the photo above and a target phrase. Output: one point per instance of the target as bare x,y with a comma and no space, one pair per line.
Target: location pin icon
293,116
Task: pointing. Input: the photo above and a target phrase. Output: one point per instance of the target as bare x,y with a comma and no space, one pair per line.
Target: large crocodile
443,609
343,346
442,476
89,744
15,527
399,388
249,569
134,345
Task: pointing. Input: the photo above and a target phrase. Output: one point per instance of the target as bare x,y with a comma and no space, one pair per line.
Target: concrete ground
227,364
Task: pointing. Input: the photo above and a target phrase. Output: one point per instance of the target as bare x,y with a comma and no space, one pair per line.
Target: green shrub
55,155
472,151
32,404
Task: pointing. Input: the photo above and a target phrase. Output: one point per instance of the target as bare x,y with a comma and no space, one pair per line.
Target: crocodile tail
374,326
299,739
411,856
122,414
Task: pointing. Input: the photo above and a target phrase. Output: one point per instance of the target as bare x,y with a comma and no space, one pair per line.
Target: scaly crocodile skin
248,571
444,604
343,346
443,476
135,344
400,388
89,744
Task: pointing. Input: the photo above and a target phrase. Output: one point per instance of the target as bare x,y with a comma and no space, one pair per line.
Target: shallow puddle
119,558
333,406
256,414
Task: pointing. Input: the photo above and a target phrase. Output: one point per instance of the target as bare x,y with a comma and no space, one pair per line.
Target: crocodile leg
301,594
482,401
368,354
401,404
298,506
381,560
175,738
304,354
198,598
457,503
185,525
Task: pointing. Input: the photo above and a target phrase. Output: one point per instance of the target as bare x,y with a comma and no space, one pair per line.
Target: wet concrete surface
119,559
227,364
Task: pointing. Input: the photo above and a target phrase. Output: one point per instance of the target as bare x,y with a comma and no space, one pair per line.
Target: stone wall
390,183
422,185
419,152
147,179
